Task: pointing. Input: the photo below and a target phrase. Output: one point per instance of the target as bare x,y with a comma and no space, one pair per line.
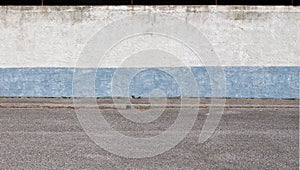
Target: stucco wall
257,47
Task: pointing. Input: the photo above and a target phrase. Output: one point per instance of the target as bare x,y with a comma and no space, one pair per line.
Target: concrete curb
126,103
136,106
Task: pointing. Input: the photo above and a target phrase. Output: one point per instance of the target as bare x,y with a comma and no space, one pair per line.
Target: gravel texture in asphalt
246,138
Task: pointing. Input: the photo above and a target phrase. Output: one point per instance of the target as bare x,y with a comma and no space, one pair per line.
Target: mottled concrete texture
241,82
240,35
257,47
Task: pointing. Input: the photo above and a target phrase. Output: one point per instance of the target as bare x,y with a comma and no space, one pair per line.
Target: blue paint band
241,82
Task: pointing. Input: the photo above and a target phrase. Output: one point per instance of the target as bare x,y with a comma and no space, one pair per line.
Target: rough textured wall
257,47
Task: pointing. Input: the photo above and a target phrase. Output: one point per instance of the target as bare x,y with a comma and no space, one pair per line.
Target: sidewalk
126,103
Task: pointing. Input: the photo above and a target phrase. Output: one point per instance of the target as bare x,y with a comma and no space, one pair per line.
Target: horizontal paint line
240,82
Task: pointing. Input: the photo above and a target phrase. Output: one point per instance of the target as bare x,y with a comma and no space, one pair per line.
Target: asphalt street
245,138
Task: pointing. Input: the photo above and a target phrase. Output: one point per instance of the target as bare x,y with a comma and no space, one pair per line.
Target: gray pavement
246,138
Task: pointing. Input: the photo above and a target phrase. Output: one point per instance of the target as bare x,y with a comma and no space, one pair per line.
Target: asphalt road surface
246,138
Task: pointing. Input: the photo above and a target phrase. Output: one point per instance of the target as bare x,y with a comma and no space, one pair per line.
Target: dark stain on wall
150,2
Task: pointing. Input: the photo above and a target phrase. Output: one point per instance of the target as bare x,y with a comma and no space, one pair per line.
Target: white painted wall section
239,35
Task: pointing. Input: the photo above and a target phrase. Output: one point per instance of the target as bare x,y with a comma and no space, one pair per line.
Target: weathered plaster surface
258,48
241,82
240,35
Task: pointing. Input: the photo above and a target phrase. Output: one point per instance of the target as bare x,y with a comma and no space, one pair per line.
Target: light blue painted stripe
241,82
